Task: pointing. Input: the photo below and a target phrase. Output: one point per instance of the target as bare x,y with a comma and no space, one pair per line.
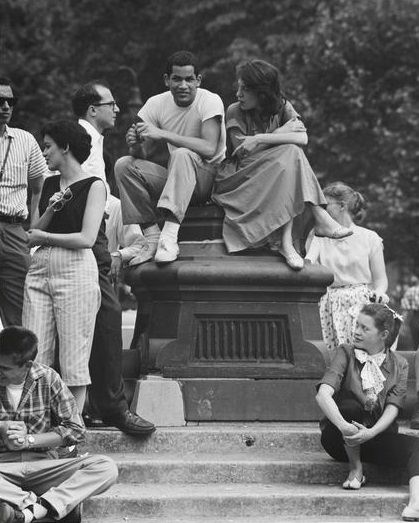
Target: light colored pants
64,483
145,186
62,297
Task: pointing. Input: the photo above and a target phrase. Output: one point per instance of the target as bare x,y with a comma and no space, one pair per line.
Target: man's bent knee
122,166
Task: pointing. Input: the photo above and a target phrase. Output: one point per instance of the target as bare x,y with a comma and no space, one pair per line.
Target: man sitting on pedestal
190,121
38,414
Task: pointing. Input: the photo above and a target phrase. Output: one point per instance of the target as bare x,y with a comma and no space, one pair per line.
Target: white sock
28,515
152,233
170,230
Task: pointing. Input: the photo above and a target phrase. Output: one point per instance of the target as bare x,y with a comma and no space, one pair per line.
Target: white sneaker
145,252
167,251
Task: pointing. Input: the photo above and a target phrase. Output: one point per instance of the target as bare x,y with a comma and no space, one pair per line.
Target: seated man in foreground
37,415
190,121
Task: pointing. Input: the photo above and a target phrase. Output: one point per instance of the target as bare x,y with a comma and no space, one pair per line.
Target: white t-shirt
348,258
14,393
162,111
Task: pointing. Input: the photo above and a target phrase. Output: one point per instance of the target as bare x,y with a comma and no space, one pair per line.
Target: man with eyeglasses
97,110
21,166
189,121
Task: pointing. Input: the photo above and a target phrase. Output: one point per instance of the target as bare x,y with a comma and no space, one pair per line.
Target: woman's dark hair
263,79
20,343
384,319
182,58
354,200
66,133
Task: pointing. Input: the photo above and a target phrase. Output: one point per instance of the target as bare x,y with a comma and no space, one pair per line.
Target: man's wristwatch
30,441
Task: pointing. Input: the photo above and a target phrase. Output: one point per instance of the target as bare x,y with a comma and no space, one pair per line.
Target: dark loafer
130,423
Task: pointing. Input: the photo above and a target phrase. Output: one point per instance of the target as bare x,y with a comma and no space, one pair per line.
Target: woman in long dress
62,294
266,186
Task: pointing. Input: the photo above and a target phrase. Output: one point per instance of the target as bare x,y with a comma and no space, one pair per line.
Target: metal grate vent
243,339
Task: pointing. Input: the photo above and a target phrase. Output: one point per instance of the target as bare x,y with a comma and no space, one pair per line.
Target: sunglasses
10,100
65,197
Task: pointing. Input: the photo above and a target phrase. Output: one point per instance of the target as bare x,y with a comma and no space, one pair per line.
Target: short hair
182,58
66,133
354,200
20,343
85,96
263,79
384,319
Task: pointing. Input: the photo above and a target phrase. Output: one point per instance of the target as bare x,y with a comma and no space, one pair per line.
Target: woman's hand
379,297
54,198
36,237
248,145
362,435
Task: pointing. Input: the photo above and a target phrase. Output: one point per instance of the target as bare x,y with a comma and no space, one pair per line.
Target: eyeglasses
66,196
11,101
112,104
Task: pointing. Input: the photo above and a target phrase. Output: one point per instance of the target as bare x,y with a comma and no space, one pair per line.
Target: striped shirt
24,163
46,405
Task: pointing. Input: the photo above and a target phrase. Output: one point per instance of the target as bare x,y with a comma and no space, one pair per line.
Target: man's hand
131,136
116,267
147,130
16,435
362,435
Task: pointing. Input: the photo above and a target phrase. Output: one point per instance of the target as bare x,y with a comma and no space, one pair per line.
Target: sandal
336,234
354,484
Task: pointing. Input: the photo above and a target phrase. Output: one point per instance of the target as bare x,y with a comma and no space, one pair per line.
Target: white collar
94,133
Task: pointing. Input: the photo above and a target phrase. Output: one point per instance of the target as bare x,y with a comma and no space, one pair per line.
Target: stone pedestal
242,333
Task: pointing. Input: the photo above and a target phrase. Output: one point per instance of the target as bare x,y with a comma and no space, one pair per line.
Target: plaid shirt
46,405
410,300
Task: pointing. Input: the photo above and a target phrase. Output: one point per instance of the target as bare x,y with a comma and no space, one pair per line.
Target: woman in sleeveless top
357,263
266,187
62,294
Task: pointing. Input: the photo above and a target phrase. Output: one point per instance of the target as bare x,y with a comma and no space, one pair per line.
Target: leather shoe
293,259
92,422
335,234
130,423
10,515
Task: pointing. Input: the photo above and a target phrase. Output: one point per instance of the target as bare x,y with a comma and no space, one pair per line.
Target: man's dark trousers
107,389
14,264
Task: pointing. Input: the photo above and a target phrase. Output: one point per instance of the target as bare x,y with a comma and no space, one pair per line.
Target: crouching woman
361,394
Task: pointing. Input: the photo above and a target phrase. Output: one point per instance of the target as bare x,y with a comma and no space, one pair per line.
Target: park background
350,68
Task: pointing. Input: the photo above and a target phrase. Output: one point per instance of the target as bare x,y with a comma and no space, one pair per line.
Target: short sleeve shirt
410,300
24,163
162,111
344,376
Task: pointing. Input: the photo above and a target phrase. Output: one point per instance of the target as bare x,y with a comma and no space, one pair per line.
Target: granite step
252,519
245,500
245,467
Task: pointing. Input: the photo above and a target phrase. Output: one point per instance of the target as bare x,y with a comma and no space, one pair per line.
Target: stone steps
249,467
236,472
239,500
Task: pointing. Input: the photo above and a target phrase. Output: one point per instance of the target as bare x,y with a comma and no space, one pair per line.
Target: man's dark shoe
92,422
10,515
74,516
131,424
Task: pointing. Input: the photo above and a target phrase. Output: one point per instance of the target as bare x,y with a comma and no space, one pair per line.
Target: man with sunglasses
97,110
21,166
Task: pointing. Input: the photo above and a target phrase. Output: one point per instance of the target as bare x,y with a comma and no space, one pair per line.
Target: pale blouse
348,258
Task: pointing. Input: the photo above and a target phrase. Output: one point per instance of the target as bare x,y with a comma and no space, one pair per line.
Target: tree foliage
350,68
